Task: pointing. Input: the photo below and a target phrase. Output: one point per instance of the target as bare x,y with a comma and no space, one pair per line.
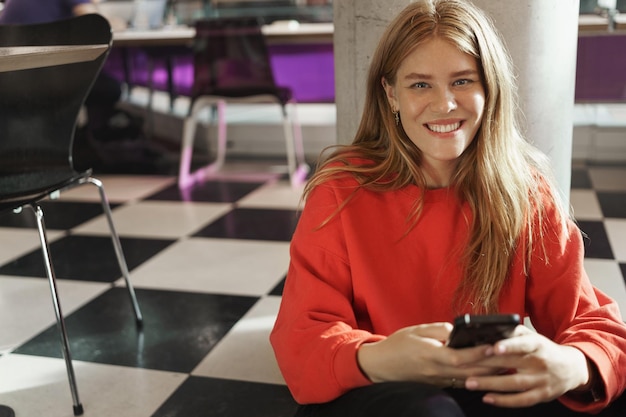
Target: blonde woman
439,208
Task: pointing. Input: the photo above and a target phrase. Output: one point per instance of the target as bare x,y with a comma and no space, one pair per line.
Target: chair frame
45,249
17,199
297,167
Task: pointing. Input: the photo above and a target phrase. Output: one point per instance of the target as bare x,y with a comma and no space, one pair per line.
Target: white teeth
444,128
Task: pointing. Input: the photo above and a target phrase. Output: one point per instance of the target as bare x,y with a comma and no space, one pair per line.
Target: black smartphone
473,330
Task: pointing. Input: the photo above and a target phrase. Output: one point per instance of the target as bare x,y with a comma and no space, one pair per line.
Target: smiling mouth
444,128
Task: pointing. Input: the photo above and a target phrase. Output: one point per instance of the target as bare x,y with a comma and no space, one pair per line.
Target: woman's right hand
418,353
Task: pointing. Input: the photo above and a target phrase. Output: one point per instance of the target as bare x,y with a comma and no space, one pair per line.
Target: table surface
292,31
14,58
180,35
591,23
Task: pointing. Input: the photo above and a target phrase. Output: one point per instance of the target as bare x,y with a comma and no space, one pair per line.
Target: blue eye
462,82
420,85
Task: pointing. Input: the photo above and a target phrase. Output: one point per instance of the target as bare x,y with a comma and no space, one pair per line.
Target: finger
508,383
523,343
439,331
513,400
466,357
451,382
474,371
502,361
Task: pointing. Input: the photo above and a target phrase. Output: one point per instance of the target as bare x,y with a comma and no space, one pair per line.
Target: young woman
439,208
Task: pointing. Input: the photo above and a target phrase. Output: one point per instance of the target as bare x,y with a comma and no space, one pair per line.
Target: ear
390,92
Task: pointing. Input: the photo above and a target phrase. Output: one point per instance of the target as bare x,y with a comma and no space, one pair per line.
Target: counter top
595,24
286,31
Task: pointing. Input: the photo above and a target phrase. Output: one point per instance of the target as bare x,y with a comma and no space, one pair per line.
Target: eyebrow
415,75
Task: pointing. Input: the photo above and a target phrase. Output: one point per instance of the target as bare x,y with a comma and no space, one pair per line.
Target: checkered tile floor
208,269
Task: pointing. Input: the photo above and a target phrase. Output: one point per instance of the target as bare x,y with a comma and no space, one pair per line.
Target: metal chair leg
121,260
298,169
187,177
78,407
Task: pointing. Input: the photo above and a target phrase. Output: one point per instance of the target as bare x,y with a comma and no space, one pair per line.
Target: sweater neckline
431,195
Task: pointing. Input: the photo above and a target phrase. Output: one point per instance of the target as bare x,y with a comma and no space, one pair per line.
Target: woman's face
440,96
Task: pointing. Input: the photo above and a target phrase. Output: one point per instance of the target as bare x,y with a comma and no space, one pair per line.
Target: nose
444,101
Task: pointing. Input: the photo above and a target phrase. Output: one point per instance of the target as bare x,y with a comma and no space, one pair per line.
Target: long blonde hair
500,175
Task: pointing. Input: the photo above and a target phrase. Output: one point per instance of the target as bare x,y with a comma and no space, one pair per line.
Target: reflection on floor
208,269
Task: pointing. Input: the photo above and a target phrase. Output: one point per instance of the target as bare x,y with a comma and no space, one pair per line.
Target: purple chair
231,64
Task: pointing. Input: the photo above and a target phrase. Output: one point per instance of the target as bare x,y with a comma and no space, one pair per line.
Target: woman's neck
437,177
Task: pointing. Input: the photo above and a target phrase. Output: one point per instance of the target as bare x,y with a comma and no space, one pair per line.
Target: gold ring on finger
455,383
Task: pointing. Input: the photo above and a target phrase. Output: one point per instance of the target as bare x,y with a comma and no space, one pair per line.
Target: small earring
396,115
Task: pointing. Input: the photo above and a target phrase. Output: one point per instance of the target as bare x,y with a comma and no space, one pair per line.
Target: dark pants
407,399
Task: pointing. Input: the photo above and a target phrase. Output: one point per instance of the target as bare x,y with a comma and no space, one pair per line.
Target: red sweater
359,278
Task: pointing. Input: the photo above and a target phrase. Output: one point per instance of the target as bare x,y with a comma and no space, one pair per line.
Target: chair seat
283,94
22,188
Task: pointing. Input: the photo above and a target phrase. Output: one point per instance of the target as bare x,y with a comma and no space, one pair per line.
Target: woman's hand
418,353
541,370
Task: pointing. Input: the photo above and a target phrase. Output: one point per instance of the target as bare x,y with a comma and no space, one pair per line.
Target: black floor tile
613,205
623,269
86,258
179,329
278,289
596,241
210,191
60,215
199,397
580,178
257,224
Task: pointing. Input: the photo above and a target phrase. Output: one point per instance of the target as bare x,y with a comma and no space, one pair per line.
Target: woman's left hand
541,371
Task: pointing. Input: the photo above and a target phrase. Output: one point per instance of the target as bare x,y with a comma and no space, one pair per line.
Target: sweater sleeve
579,315
315,337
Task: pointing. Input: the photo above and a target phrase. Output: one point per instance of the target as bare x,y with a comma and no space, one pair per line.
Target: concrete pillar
542,39
359,24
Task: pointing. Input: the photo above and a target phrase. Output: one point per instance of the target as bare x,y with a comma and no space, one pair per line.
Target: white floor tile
37,386
17,242
245,352
26,306
585,205
241,267
606,276
157,219
608,178
120,188
616,231
279,195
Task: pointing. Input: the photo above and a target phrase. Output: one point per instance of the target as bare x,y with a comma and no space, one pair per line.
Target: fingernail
489,351
488,399
500,349
471,384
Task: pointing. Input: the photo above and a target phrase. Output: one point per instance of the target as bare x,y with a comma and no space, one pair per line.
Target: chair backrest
231,58
39,107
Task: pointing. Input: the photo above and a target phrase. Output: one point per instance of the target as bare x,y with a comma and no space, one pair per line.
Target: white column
541,36
359,24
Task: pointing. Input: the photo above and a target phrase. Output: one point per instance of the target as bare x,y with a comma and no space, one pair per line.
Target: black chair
232,64
38,116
